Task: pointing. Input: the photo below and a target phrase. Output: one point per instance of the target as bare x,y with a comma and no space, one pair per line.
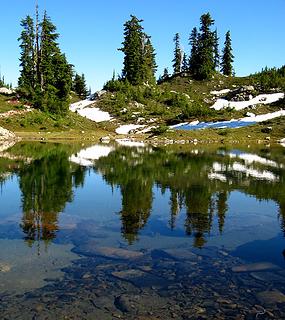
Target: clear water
108,232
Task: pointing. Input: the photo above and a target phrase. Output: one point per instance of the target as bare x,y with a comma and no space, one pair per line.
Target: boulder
91,248
99,94
7,91
105,139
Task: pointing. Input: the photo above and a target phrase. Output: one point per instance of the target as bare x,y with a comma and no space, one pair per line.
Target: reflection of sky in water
246,219
96,200
10,198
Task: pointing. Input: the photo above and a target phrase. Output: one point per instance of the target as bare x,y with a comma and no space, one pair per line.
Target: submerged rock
5,267
268,277
260,266
91,249
181,254
271,297
123,303
128,274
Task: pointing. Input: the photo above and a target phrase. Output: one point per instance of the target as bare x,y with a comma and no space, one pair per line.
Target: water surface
106,232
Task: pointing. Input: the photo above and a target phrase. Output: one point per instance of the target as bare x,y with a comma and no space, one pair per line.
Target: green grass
37,125
8,103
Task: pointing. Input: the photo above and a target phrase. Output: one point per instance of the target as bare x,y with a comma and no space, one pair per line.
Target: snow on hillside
92,113
220,92
239,105
126,128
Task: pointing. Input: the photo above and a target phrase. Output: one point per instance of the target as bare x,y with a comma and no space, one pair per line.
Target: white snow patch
220,92
87,156
126,128
80,105
264,117
129,143
94,114
239,105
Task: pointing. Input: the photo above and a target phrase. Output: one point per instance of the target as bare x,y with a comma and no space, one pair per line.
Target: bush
159,130
196,110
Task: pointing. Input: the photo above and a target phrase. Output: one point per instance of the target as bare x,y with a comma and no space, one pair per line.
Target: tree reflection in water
46,186
187,176
190,177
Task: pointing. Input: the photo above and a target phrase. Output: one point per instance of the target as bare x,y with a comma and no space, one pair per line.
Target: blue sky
92,30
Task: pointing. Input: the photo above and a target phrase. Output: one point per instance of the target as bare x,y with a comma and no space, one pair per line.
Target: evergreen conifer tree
26,82
193,60
177,61
185,66
166,73
48,49
227,57
164,76
149,64
133,51
216,50
79,86
205,57
46,76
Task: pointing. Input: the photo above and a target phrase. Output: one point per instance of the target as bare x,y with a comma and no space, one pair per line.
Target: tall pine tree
48,49
139,54
178,54
79,86
26,82
133,51
193,60
149,64
46,76
185,65
206,62
216,50
227,57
